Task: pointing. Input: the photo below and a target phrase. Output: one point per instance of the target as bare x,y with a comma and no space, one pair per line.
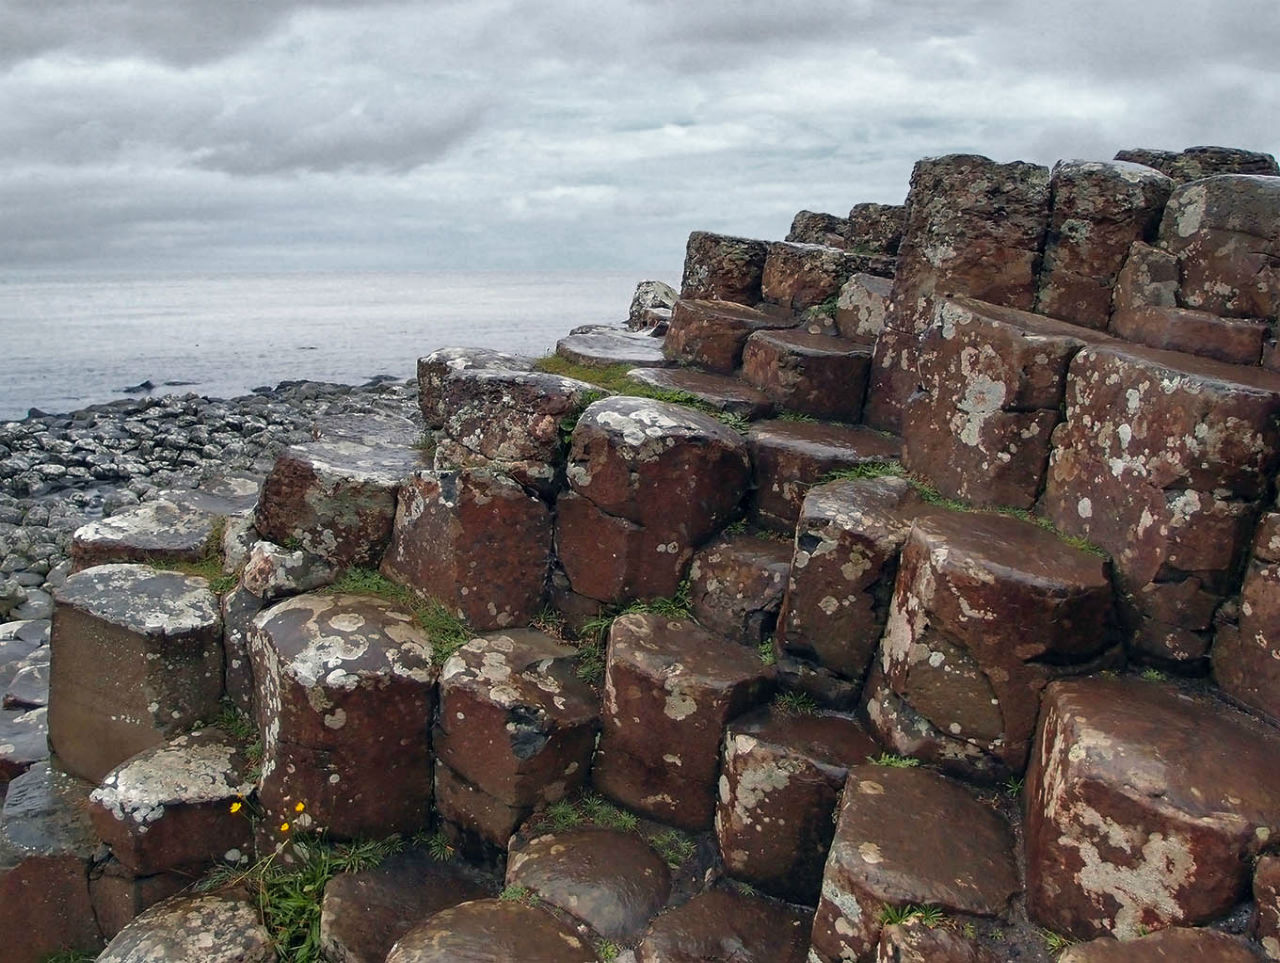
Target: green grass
608,950
518,894
795,704
1056,942
766,653
1013,786
1154,675
288,896
438,845
208,566
894,761
867,469
673,846
930,916
594,634
446,631
70,956
586,810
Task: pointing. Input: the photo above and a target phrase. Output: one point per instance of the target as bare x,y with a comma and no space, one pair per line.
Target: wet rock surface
194,929
608,347
723,925
1167,945
1131,824
913,942
1266,895
492,931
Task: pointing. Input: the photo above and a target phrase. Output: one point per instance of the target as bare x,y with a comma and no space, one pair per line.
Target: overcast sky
493,134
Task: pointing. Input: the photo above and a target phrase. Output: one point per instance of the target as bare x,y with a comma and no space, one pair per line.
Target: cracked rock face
194,929
720,924
1131,825
1246,659
345,693
736,586
137,658
515,720
718,267
670,687
492,931
908,837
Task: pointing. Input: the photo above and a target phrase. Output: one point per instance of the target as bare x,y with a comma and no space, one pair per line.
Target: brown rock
346,689
1144,807
876,228
810,227
1266,899
211,928
239,608
119,897
491,931
1204,946
437,367
1098,209
1246,662
711,334
137,658
992,381
780,781
479,823
719,924
1225,232
736,585
335,499
474,541
863,306
798,276
914,942
670,688
610,880
1149,278
1197,162
169,808
952,852
812,374
718,267
1195,332
515,720
788,457
364,913
721,392
271,572
893,378
848,538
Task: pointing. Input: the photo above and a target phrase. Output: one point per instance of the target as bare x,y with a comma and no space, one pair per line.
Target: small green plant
447,632
766,652
673,846
733,529
735,421
894,761
438,845
550,621
866,469
608,950
795,704
797,416
518,894
1013,786
563,815
929,916
69,956
1056,942
678,606
236,723
1154,675
600,811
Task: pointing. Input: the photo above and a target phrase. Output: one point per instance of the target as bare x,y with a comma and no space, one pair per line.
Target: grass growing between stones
447,632
69,956
930,916
594,634
794,704
587,810
209,567
673,846
894,761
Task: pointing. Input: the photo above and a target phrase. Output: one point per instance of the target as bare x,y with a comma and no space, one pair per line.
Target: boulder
1235,341
736,584
158,531
863,306
799,276
780,781
169,808
1246,658
119,897
720,924
1195,163
611,880
436,368
670,688
651,305
271,572
876,228
137,658
908,837
718,267
491,931
1266,900
345,694
711,334
1144,807
476,542
812,374
1097,210
848,538
1149,278
915,942
1204,946
211,928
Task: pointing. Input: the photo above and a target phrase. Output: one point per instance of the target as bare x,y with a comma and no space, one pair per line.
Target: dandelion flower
299,807
237,806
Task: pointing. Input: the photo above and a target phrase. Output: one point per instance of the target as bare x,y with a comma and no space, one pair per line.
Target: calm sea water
69,342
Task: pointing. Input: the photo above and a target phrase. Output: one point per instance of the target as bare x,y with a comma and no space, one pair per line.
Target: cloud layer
492,134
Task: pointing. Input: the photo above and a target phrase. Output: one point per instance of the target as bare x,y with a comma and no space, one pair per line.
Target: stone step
720,267
736,584
788,457
799,276
212,928
345,693
863,306
670,689
719,391
436,368
1231,340
812,374
711,334
1175,943
908,837
721,924
603,346
609,879
1145,807
780,780
492,931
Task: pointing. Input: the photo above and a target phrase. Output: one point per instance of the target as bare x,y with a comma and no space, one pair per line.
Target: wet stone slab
720,924
604,348
24,740
492,931
914,942
137,658
194,929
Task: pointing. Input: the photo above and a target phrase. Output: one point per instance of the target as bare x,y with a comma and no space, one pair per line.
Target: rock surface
491,931
722,925
718,267
194,929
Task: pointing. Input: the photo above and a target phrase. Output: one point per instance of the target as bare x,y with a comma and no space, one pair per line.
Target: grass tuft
894,761
673,846
930,916
766,652
795,704
447,632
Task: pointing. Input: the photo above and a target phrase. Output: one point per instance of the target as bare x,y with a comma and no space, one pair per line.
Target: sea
70,341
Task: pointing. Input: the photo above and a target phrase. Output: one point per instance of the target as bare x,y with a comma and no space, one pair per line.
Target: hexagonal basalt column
515,720
722,924
813,374
670,688
736,586
798,276
438,366
475,541
335,499
723,268
1246,657
652,481
1175,943
211,928
908,837
492,931
346,689
712,334
1145,807
137,658
986,611
780,781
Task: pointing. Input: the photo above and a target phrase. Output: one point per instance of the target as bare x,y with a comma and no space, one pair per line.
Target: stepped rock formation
917,595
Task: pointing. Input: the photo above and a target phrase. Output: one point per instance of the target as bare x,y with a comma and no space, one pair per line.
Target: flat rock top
45,813
380,464
1174,945
142,599
199,929
887,504
729,310
613,347
224,495
704,384
1171,369
661,647
522,668
1189,754
952,311
1003,547
813,345
647,424
913,836
823,439
825,738
548,390
368,429
611,880
491,931
723,925
748,550
199,767
462,359
335,640
158,526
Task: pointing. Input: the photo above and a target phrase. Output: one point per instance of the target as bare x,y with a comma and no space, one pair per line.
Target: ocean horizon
75,340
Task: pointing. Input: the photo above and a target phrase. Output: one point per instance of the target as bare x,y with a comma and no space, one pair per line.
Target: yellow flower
298,808
284,827
237,806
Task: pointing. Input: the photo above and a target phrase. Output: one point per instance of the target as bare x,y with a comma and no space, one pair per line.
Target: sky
270,135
